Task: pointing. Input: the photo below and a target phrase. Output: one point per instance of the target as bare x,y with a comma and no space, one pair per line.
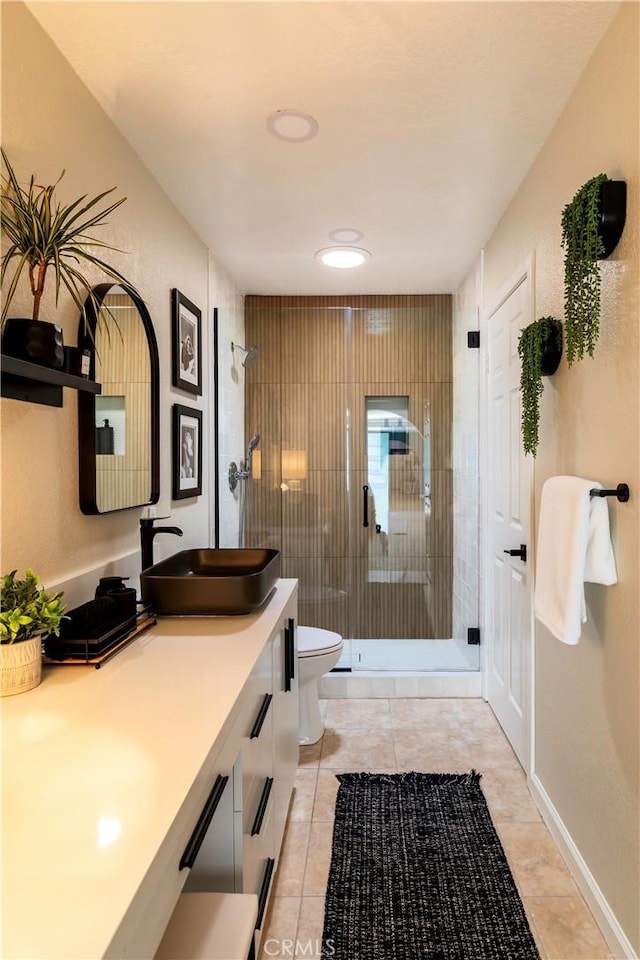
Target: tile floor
435,735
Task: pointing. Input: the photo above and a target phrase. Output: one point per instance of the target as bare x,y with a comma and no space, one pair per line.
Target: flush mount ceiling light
292,125
346,235
343,257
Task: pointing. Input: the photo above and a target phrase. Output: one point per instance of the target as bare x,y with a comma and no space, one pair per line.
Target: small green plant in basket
26,609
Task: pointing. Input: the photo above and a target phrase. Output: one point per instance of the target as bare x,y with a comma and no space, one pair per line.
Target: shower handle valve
234,475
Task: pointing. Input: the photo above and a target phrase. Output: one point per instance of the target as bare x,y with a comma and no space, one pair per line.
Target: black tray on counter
97,650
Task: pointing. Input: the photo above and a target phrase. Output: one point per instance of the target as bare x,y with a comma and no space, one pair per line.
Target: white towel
574,545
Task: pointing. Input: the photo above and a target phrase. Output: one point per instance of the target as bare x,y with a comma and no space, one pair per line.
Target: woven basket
20,666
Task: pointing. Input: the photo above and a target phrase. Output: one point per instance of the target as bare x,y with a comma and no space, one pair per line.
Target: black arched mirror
119,429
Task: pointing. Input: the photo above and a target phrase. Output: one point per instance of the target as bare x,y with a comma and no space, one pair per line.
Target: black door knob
520,552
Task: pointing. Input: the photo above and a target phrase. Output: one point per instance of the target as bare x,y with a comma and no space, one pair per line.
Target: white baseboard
381,684
604,916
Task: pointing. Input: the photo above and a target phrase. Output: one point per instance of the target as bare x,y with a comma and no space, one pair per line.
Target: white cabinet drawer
142,928
258,863
256,743
210,853
210,926
257,805
257,766
285,720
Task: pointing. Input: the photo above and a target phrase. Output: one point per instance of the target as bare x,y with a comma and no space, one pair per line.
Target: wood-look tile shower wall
320,357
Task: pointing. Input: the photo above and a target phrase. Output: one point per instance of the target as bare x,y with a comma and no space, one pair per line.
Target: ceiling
430,115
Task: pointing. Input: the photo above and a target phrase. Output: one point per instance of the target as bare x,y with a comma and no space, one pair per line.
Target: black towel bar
621,492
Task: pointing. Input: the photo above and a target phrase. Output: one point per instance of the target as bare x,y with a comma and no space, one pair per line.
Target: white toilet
318,651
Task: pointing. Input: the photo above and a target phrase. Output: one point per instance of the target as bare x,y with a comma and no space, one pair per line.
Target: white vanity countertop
97,763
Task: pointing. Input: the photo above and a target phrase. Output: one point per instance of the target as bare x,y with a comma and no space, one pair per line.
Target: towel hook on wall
621,492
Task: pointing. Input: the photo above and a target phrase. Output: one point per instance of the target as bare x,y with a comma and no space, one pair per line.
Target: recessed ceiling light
346,235
292,125
343,257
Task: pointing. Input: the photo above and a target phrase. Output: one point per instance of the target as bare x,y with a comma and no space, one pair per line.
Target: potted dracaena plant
27,613
583,248
46,237
540,351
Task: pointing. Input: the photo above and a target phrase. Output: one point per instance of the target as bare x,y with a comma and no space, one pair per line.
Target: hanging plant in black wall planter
540,351
591,227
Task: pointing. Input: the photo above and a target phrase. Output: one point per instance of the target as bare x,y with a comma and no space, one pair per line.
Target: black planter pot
551,349
34,340
613,211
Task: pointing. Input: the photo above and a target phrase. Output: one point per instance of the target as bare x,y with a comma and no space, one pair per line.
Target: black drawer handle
289,654
195,841
264,890
292,647
262,807
262,716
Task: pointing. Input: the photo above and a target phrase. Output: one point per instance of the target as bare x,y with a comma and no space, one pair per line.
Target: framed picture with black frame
187,452
186,343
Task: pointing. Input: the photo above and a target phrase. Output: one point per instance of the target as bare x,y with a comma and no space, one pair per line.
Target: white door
509,476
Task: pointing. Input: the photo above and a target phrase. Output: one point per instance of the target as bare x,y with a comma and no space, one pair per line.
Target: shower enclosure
353,480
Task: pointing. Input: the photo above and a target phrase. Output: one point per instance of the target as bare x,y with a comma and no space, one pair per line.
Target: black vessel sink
206,582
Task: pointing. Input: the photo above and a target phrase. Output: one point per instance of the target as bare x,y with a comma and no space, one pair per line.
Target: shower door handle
365,505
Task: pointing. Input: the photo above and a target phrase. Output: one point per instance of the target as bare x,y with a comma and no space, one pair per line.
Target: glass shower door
400,489
297,400
354,481
394,515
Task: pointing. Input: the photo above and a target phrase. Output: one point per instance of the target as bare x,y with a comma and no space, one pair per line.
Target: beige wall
587,723
51,122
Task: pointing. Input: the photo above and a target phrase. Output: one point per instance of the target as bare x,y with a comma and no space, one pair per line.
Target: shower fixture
235,473
234,476
247,520
252,354
251,446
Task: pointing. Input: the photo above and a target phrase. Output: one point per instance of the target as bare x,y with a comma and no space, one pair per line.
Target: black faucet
147,534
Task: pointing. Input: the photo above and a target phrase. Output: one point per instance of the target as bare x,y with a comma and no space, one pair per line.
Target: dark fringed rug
418,871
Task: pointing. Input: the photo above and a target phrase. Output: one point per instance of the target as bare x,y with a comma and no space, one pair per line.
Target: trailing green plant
534,340
44,234
26,609
583,249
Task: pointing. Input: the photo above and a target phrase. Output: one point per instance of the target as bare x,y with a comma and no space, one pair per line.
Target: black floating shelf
613,212
22,380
